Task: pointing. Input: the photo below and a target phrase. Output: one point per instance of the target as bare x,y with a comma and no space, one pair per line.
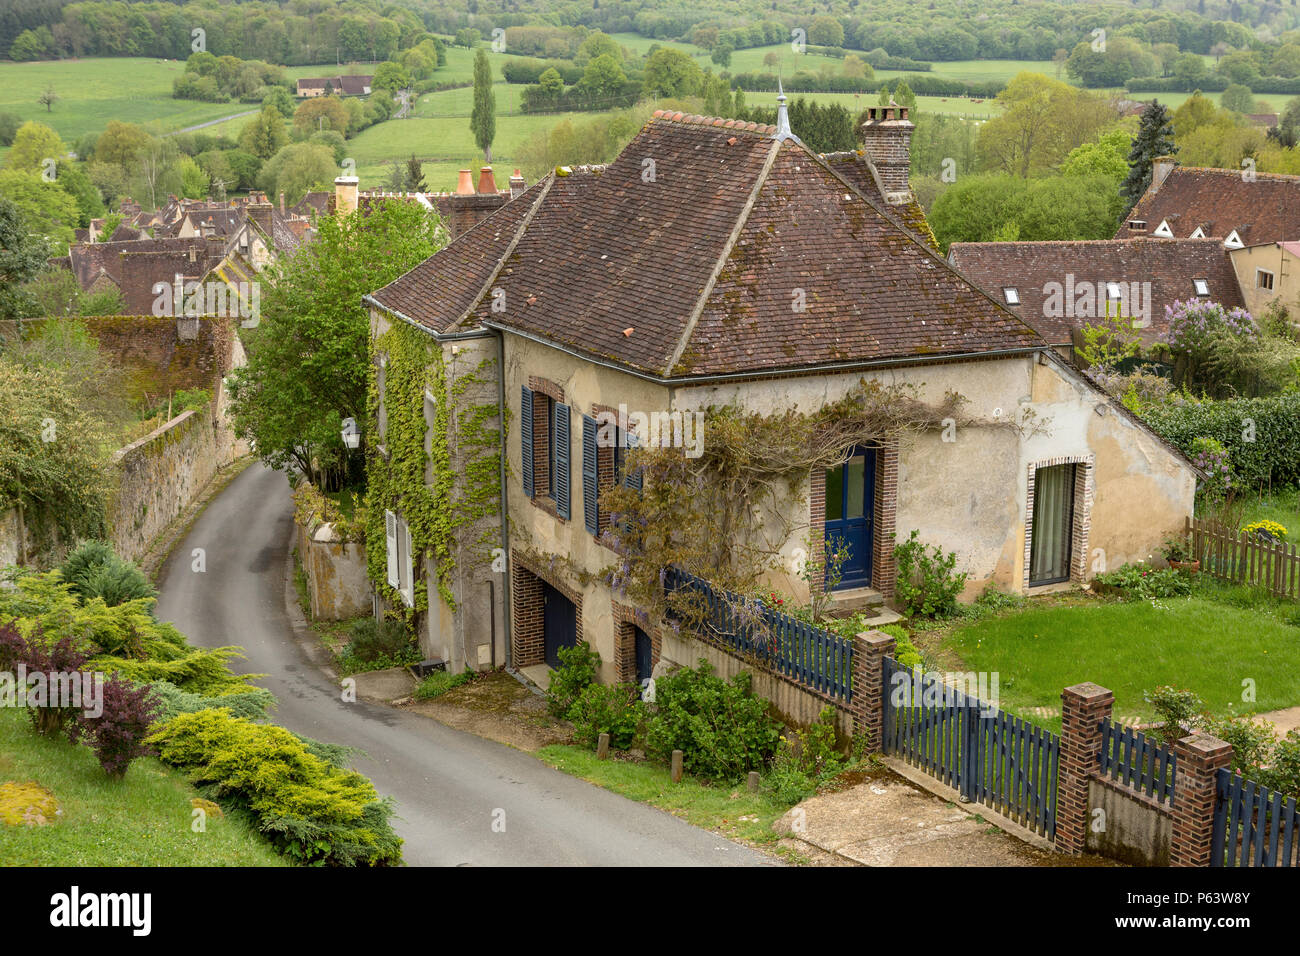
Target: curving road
447,784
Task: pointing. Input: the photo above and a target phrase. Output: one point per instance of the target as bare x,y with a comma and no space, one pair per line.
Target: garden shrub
252,703
926,586
1140,582
1266,530
577,671
313,812
1211,457
905,652
1176,708
94,570
613,709
1261,435
372,641
721,727
117,735
806,760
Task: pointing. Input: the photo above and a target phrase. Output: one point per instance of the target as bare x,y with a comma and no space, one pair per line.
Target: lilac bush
1196,325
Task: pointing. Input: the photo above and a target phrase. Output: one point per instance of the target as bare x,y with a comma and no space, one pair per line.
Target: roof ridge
720,122
1235,173
1084,242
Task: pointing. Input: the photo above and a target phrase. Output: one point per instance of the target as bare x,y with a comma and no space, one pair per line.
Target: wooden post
677,766
602,746
753,781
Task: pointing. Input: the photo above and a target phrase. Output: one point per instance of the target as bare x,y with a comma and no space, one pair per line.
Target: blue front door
850,503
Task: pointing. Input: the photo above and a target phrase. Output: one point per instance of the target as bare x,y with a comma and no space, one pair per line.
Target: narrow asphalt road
449,785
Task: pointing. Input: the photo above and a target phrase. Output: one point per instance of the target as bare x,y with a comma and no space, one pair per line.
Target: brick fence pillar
868,705
1200,757
1083,708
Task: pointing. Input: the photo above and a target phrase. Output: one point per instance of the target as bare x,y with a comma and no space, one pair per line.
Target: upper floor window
1264,280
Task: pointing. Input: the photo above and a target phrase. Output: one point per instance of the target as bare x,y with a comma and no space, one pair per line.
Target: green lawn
1200,643
142,820
1281,506
734,812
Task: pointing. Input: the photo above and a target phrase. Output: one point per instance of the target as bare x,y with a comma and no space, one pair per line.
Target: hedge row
1262,435
1284,85
530,69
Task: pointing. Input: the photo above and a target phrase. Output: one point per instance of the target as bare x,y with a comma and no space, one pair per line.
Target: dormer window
1198,233
1202,286
1137,225
1163,230
1011,295
1233,241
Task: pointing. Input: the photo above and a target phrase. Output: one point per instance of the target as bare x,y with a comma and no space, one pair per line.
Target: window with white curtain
1050,544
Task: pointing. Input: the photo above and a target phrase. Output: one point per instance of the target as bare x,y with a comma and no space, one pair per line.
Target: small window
1137,225
1202,286
1012,296
1263,279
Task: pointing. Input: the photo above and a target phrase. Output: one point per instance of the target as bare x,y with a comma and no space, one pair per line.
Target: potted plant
1178,555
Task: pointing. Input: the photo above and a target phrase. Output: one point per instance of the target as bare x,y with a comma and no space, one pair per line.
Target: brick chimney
1161,167
260,213
468,207
345,194
282,210
887,139
517,184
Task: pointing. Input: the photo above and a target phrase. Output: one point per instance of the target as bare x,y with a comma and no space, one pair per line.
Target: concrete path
451,787
1286,719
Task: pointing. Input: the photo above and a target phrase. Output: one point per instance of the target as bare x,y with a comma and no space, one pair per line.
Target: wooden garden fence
1241,558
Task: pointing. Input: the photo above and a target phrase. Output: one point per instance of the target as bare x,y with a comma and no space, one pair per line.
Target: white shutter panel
390,533
408,567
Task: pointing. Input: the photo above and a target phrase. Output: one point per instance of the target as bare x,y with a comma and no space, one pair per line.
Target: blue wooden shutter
562,440
526,436
631,476
590,476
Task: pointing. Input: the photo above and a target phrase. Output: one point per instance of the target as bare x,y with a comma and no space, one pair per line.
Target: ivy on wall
422,483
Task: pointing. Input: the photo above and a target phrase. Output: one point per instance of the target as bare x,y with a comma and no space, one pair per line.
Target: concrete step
852,600
884,615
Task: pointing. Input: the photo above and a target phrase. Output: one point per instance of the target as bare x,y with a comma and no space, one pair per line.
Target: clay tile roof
705,261
439,292
1169,265
1264,210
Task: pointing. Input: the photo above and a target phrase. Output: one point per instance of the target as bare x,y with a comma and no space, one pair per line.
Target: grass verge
142,820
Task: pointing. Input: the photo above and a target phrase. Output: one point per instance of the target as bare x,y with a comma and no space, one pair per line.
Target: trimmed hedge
1268,452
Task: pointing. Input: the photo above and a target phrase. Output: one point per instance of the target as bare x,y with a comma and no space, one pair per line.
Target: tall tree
415,175
1155,138
307,358
22,256
483,117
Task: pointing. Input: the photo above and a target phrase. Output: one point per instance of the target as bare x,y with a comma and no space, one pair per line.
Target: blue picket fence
987,755
1139,762
809,655
1253,825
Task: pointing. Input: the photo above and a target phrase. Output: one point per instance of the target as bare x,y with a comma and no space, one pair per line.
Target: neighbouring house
718,262
1268,273
1242,207
347,85
1058,287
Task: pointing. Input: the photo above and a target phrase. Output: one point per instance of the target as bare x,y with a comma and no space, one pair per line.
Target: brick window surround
543,388
604,463
1082,522
625,624
884,572
527,630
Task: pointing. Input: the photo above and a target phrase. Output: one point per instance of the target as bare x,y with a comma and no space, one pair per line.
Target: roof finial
783,130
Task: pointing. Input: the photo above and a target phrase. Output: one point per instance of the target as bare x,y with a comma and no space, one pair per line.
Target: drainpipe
505,517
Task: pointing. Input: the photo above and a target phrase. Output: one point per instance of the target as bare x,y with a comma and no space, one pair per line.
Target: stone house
719,262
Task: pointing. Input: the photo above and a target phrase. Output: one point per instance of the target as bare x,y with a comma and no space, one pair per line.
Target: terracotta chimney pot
486,184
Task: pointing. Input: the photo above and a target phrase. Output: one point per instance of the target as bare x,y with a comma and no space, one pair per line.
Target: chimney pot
465,184
345,194
486,184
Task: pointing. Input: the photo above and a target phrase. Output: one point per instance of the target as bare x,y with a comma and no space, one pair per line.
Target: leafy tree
903,95
603,78
1197,111
721,55
1190,70
9,124
121,144
670,72
297,168
34,143
279,98
483,116
48,98
321,112
1108,156
1041,121
307,359
1155,138
595,45
390,76
22,256
74,181
44,205
264,135
826,31
1238,99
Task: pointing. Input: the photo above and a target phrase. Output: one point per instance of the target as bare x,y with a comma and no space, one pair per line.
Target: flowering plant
1211,457
1196,324
1266,529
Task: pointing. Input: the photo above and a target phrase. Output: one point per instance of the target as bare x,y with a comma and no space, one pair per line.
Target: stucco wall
968,495
1131,828
1272,258
336,572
